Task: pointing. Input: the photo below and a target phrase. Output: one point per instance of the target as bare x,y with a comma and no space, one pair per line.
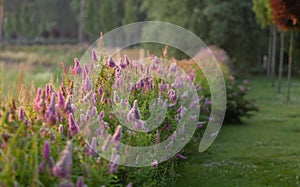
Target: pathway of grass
265,151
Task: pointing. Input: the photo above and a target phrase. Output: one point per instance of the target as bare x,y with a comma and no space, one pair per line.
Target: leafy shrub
41,143
238,105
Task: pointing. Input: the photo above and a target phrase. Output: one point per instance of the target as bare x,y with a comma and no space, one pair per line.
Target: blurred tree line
230,24
29,19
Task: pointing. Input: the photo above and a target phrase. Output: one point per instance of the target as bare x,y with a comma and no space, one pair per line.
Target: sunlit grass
265,151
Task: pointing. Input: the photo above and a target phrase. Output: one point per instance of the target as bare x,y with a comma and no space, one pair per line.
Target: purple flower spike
93,147
192,75
85,72
154,164
47,160
172,95
87,84
68,105
101,114
94,99
63,168
140,84
106,143
214,135
113,167
111,63
134,114
21,113
51,115
129,184
122,64
157,137
182,130
162,86
242,88
73,127
102,98
100,90
46,150
48,90
116,97
174,136
94,56
198,87
80,182
41,166
200,124
92,111
118,71
60,129
61,100
180,156
77,68
131,86
118,133
127,61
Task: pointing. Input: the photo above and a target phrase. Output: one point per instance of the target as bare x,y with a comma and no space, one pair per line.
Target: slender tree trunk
269,60
290,66
81,22
1,19
281,61
273,56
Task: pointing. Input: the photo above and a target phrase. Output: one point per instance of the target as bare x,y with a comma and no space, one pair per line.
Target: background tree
229,24
287,17
92,23
1,19
263,13
132,14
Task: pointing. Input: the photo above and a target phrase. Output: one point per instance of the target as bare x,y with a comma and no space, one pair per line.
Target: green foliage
92,21
130,12
26,21
109,15
263,12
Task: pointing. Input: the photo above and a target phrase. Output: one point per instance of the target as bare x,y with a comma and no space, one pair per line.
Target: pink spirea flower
127,61
47,160
111,63
94,56
118,133
122,64
77,68
180,156
134,113
46,150
37,99
68,105
51,114
60,100
60,129
21,113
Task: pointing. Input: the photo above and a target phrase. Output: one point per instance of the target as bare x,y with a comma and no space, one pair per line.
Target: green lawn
265,151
